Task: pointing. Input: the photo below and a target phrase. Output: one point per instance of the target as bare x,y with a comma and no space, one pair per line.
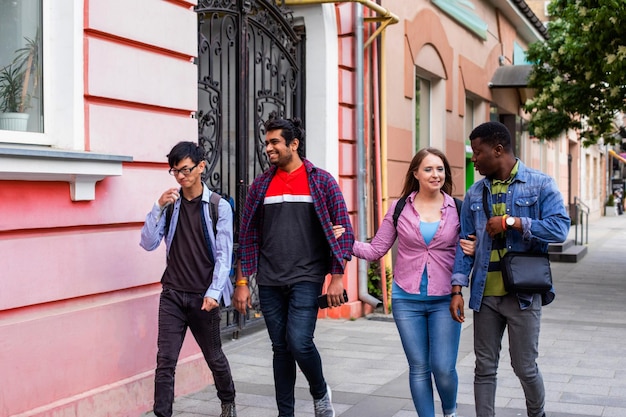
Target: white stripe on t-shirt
288,198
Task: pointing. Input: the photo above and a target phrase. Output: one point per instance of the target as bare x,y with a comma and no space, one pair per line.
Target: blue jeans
496,314
431,343
290,314
179,310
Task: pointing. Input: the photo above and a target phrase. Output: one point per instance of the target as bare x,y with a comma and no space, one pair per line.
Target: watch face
510,221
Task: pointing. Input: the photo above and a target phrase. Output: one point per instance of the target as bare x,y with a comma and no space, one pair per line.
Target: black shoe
228,410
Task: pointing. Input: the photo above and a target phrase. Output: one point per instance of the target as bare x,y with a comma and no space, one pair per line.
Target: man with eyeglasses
196,277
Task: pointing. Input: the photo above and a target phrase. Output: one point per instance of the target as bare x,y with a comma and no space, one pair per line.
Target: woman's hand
468,246
338,230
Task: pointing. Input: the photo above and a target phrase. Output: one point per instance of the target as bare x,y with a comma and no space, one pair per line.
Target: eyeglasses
184,171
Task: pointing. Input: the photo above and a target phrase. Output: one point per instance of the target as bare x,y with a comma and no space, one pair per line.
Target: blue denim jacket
533,197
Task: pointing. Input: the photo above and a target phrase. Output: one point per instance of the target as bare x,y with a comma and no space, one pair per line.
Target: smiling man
286,238
526,213
197,275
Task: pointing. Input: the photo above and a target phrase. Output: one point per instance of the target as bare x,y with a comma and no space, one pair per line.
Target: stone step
572,254
560,247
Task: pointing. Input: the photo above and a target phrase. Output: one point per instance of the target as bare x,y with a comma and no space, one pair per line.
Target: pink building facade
120,87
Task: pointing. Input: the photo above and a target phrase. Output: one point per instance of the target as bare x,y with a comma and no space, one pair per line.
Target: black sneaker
228,410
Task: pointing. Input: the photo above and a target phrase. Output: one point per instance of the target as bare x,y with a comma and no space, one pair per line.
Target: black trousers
179,310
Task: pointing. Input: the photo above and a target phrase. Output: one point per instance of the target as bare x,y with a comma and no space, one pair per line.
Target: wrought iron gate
250,64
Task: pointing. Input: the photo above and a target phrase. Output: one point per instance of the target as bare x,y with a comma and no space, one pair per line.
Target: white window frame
58,154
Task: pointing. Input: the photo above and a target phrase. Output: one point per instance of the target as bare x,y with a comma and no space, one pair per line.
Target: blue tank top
428,230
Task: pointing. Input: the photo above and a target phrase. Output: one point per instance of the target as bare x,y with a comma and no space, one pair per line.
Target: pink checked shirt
413,253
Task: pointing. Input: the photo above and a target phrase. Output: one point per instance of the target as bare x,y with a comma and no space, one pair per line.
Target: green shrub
374,282
610,202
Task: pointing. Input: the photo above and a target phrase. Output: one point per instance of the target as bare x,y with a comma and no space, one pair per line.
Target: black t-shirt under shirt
189,267
293,247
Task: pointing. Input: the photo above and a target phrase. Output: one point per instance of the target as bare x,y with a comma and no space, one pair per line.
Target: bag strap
485,204
458,203
214,201
168,217
499,241
398,210
402,202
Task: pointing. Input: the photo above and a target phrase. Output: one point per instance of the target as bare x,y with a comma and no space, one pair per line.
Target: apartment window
21,70
422,113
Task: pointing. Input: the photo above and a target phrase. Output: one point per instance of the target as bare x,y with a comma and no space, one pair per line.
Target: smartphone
322,300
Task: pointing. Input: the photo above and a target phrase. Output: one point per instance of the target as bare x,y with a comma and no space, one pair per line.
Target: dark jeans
177,311
290,314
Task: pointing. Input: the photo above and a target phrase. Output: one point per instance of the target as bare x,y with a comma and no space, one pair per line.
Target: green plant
374,282
11,101
20,78
610,202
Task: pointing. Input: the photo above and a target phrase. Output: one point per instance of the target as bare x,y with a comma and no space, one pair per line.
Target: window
422,113
21,75
56,151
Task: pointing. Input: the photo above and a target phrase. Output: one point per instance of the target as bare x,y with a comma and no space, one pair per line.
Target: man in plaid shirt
286,238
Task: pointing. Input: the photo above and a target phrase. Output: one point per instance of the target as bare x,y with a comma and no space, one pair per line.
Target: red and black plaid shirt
329,206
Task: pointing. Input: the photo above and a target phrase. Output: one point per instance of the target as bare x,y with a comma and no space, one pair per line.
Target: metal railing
581,219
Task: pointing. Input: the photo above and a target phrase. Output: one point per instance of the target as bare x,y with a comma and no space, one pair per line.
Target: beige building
452,67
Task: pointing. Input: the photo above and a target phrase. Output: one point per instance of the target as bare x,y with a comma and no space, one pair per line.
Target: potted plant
609,206
17,82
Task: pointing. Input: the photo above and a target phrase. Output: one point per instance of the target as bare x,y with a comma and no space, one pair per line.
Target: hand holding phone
322,300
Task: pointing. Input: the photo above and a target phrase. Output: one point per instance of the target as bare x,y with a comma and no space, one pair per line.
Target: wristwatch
510,222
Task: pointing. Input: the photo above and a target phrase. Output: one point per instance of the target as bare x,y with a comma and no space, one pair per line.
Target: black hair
493,134
184,150
290,129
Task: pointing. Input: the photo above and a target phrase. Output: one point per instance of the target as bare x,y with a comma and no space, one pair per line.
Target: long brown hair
410,182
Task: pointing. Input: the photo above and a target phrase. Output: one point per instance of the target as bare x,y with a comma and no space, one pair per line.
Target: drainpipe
379,86
364,295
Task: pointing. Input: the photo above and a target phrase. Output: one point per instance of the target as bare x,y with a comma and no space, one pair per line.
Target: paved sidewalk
581,353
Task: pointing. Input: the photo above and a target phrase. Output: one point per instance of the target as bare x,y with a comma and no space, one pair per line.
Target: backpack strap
169,209
401,203
214,209
214,201
458,203
398,210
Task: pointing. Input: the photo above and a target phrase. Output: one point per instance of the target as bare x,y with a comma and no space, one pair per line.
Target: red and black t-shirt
293,247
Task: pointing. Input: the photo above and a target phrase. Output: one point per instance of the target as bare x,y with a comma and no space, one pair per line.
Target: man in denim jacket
527,213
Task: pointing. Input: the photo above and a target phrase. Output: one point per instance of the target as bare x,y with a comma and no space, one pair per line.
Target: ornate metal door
250,64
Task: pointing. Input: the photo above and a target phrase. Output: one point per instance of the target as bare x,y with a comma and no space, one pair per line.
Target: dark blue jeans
290,314
179,310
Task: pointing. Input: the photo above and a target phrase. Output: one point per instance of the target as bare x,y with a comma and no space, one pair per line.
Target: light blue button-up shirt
533,197
221,245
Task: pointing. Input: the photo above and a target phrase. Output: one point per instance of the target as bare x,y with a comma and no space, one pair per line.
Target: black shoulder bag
523,272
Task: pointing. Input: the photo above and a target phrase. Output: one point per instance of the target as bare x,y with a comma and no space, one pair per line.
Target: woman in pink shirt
428,235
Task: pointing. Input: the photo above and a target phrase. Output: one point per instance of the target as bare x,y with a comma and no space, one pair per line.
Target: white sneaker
324,407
